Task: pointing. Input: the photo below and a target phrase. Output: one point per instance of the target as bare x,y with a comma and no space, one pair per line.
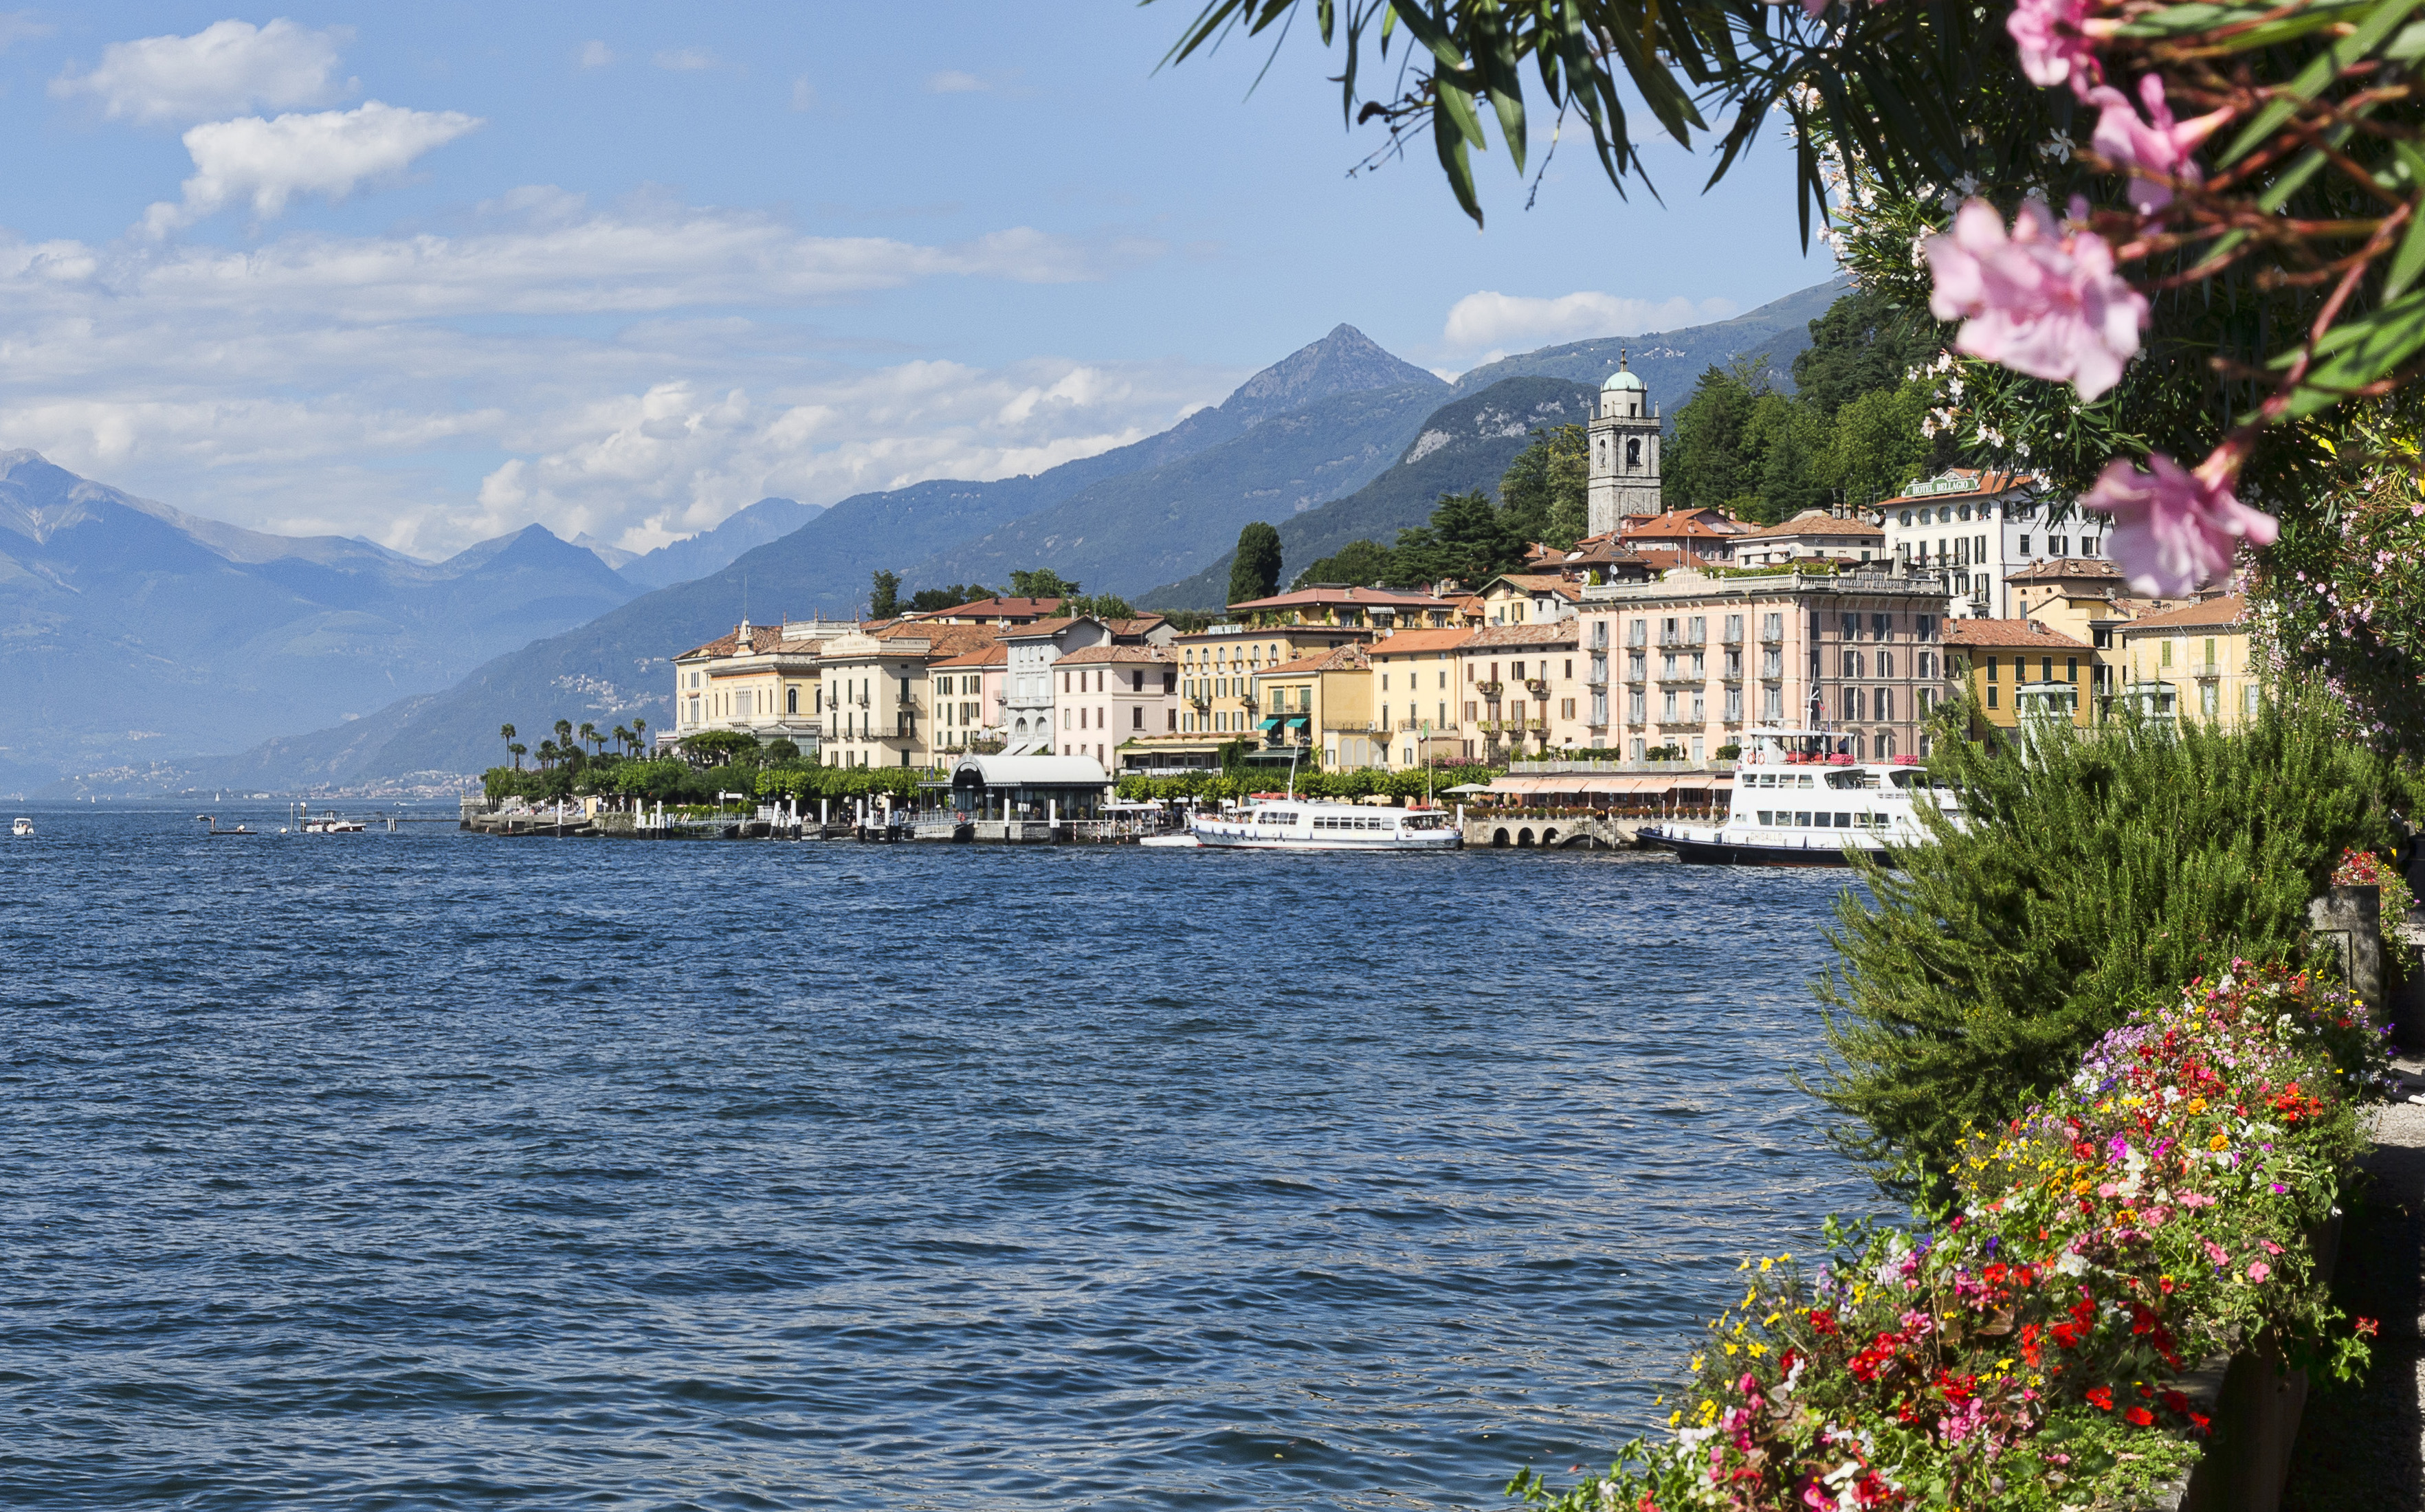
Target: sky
427,274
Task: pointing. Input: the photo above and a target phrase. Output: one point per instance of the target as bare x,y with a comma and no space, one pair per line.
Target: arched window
1883,703
791,700
1633,453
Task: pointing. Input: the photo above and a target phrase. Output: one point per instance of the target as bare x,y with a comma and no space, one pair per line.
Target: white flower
2071,1264
2058,147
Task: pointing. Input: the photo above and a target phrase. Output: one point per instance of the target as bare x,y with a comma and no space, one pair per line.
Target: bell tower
1624,453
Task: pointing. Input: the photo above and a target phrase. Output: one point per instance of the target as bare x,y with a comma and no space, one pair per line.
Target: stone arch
1499,839
1523,838
1548,836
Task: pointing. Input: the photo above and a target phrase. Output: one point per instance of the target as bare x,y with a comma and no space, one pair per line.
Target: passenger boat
330,824
1795,805
1274,821
23,827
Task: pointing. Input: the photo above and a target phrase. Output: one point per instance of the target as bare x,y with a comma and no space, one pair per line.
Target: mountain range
1338,441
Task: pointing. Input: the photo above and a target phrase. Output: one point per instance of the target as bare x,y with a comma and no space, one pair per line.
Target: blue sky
429,273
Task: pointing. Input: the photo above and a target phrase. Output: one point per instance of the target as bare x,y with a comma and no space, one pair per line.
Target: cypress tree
2091,872
1255,571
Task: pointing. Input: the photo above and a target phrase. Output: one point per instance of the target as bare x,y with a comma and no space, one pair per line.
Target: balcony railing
1637,674
1409,727
1537,686
2204,671
1490,690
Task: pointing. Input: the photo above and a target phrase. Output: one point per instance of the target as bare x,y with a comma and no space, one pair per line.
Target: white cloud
330,153
686,60
226,67
1513,322
596,54
317,384
951,81
21,26
804,95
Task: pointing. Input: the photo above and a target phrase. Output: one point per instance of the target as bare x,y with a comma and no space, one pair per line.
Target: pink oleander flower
2039,301
2259,1272
2175,529
2053,47
2156,145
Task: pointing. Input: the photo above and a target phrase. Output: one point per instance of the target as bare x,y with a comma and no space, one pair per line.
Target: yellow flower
1675,1417
1696,1362
1730,1348
1764,1264
1758,1350
2197,1104
2218,1142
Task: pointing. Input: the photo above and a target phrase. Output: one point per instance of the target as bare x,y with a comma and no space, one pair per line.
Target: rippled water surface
432,1170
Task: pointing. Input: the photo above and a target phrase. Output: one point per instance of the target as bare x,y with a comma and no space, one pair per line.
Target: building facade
1814,535
1109,693
1979,527
1217,668
1322,704
1028,685
1418,686
1694,661
2018,671
760,680
968,694
1525,690
2197,661
1622,481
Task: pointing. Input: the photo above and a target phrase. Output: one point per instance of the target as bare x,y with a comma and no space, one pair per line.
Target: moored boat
23,827
1795,805
1277,822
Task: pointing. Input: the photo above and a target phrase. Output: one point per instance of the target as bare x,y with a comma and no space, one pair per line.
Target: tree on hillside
1878,447
1042,582
1704,462
884,600
1865,342
1255,571
927,600
506,733
1359,562
1782,444
1101,605
1469,539
1545,491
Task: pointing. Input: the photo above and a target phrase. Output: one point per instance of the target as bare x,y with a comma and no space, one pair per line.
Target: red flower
2366,1327
1823,1321
2101,1398
2140,1417
2198,1422
2175,1403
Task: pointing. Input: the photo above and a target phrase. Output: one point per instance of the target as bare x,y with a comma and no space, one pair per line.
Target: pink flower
2175,529
2156,145
2039,302
2053,48
2259,1272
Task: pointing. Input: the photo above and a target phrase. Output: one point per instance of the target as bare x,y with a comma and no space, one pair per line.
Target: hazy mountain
1126,532
616,668
137,633
697,555
1669,362
1460,447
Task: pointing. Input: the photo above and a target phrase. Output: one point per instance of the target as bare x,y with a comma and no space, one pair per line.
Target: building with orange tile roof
2197,660
1110,693
1524,690
1318,708
1690,535
2020,669
997,611
757,680
1981,526
1814,535
1345,606
1417,678
968,694
1028,712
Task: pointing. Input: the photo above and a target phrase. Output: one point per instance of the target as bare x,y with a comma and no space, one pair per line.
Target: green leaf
2358,352
2200,20
2328,66
2410,260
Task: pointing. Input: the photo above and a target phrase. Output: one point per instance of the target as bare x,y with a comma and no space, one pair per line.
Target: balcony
1490,690
1200,701
1637,674
2208,671
1414,727
1537,686
1351,727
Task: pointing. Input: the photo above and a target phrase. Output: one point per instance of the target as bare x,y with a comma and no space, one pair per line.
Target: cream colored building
1320,703
2194,662
1111,694
1418,679
760,680
1524,690
1813,533
877,696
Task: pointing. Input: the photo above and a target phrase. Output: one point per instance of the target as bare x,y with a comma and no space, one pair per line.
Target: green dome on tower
1620,379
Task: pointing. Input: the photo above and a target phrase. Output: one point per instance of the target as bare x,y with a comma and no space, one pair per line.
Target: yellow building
873,693
1418,677
1322,704
1217,668
760,680
2017,667
2197,661
1524,690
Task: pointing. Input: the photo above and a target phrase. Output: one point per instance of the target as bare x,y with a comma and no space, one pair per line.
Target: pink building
1692,663
967,691
1105,695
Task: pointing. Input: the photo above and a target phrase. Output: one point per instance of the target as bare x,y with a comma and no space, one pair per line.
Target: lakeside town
1633,662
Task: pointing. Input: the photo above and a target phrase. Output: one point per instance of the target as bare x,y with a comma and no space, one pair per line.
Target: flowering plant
2154,1212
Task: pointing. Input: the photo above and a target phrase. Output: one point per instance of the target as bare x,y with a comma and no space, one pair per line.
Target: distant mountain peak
1344,361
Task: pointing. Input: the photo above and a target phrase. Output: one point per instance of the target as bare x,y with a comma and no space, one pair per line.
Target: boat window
1802,820
1764,816
1843,821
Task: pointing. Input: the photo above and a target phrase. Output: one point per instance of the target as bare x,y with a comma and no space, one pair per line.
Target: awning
1269,725
1297,721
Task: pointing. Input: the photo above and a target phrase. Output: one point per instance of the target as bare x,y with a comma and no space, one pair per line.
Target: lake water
432,1170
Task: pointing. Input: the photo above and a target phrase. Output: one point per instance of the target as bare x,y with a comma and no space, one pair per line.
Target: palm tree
639,736
520,751
625,740
564,733
506,733
546,754
590,735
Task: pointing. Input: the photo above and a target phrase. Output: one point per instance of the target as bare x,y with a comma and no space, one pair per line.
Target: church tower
1624,453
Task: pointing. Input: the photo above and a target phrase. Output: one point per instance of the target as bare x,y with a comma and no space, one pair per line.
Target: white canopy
1030,771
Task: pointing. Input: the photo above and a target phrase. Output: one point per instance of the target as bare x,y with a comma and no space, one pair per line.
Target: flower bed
2022,1351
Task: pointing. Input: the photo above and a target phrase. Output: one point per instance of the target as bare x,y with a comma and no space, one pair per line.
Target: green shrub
2093,873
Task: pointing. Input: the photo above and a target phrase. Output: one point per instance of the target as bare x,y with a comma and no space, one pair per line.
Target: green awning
1297,721
1269,725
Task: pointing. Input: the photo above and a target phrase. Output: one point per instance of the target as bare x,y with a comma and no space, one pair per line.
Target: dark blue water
430,1170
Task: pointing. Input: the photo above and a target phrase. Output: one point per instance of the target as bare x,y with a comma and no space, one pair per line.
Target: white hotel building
1980,527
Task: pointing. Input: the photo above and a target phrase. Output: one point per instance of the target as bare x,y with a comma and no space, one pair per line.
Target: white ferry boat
1795,806
1275,821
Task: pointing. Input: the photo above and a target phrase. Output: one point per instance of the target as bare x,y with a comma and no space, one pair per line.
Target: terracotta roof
1983,481
1817,524
1562,634
2024,632
2066,568
1347,659
2215,613
995,608
1422,642
1538,582
761,638
1677,525
1040,629
993,654
1113,652
946,640
1664,558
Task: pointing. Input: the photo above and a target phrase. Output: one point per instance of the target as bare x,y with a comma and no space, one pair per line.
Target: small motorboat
215,831
330,824
23,827
1182,841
